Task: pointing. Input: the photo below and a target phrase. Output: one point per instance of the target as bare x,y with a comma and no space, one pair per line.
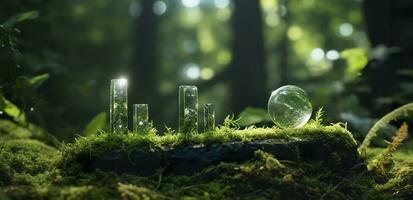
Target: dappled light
196,99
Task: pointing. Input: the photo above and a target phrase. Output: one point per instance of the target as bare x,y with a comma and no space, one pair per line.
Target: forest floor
31,169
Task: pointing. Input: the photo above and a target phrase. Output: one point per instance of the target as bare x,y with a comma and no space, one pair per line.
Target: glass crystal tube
140,118
119,106
209,117
188,109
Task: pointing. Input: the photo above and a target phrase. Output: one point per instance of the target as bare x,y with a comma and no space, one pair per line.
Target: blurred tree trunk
389,25
247,70
283,46
143,86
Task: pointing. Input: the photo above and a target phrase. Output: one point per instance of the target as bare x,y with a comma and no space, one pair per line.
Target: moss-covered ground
30,169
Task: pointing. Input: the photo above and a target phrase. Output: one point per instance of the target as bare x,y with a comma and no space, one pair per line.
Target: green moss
34,171
58,193
132,192
10,130
30,156
263,177
398,177
85,147
25,159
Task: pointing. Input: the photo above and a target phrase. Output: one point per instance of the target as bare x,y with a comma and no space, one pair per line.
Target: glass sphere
289,107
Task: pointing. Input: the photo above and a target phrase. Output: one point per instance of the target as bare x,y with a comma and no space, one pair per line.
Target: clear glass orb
289,107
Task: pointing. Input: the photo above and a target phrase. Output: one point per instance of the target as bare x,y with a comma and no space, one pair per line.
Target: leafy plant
251,116
319,116
385,160
356,59
20,18
12,110
98,123
231,122
383,122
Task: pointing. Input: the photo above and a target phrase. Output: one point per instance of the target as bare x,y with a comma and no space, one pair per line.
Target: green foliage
231,122
8,52
356,59
12,110
97,124
250,116
383,122
319,116
384,161
20,18
36,81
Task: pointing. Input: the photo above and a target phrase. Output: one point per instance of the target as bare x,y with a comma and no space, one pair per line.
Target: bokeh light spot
272,19
317,54
295,33
345,29
224,57
332,55
159,7
207,73
190,3
221,3
192,71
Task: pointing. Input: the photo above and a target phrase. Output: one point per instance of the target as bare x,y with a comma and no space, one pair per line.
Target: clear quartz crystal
209,117
188,109
119,106
140,118
289,107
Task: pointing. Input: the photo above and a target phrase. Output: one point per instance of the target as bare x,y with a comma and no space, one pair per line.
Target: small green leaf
21,17
96,124
12,110
38,80
250,116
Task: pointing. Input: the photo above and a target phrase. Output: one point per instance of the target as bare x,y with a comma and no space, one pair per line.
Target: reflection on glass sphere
289,107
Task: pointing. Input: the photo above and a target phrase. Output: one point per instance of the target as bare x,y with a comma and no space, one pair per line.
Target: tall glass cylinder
140,118
209,117
188,109
119,106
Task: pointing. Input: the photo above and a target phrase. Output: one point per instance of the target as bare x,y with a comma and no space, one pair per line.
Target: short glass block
140,118
188,109
119,106
209,117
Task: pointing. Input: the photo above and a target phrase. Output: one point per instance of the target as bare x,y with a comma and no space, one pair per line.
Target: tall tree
247,70
283,46
389,24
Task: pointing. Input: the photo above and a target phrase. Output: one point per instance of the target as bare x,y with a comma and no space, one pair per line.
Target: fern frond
383,122
319,116
231,122
387,155
401,135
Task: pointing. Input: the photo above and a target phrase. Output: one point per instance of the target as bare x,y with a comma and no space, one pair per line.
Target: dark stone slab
192,159
143,163
189,160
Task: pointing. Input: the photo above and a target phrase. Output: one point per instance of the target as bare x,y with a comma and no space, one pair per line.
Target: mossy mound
263,177
25,158
334,142
37,171
12,131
